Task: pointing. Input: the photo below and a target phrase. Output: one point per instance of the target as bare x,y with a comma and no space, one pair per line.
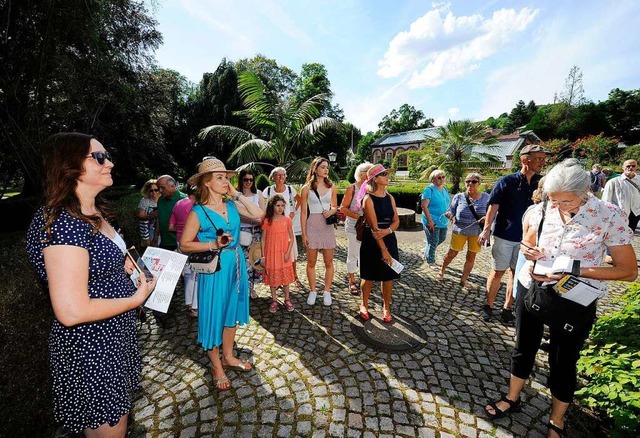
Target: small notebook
560,265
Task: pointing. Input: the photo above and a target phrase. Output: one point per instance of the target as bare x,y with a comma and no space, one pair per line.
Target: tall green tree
278,127
405,118
277,79
622,110
214,101
363,151
312,80
520,115
73,65
457,143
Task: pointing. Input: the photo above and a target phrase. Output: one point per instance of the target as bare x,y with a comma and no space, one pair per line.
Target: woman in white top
292,205
247,186
348,207
320,197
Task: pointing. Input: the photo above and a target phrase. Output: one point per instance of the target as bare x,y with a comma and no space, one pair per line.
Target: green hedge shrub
262,182
611,363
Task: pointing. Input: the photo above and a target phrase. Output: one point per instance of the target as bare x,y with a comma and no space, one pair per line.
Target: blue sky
462,59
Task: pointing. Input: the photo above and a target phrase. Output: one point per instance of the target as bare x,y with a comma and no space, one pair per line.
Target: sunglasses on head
472,181
247,179
224,239
100,157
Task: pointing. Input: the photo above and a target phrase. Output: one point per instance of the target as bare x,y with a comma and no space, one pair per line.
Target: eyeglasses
247,179
630,166
440,177
100,157
472,181
382,174
154,190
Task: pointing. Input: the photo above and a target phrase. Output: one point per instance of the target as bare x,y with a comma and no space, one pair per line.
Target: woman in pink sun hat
379,246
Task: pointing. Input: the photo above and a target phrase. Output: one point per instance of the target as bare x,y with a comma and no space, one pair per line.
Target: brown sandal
353,289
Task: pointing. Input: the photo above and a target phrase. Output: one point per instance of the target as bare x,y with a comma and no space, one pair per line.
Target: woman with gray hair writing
573,223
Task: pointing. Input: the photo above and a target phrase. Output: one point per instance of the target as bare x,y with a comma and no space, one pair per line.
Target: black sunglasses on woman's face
247,179
100,157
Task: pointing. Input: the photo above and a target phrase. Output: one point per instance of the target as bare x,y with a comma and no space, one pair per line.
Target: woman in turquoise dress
223,297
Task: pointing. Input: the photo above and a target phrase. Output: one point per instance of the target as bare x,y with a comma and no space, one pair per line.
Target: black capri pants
564,350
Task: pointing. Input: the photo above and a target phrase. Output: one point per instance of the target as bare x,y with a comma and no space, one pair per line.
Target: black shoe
507,316
487,312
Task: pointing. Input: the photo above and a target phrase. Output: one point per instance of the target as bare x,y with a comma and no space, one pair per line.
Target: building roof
399,138
502,148
505,146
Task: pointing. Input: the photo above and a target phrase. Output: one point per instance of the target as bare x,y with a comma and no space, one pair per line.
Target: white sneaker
326,299
311,300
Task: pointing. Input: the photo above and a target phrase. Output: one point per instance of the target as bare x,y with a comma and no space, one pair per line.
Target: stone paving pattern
313,378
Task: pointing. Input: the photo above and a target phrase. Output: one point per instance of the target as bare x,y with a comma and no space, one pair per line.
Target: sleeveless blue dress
223,297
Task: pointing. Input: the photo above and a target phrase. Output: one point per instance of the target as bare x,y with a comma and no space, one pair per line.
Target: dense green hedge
611,363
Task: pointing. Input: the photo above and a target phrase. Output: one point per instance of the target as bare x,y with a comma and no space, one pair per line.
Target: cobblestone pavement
312,377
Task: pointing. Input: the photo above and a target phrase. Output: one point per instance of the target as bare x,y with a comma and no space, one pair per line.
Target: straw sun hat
210,165
255,254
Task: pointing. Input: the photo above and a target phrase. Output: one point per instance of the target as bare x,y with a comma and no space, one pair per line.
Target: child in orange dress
277,243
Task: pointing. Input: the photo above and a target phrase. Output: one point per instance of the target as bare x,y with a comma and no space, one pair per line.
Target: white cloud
544,70
440,46
452,114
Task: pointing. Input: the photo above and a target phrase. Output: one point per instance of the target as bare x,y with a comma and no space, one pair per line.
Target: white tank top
314,204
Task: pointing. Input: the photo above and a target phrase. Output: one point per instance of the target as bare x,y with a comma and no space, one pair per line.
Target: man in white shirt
624,191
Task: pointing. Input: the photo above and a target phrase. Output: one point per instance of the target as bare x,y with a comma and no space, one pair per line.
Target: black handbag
546,304
549,307
360,224
331,220
205,262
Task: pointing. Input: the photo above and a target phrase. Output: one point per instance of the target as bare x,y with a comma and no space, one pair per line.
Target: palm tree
280,125
457,143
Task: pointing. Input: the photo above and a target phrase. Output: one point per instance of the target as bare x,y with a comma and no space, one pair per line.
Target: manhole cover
403,335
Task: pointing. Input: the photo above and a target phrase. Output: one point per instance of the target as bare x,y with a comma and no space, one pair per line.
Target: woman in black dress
93,345
379,245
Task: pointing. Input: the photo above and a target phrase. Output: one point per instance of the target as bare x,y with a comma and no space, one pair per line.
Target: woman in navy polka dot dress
93,347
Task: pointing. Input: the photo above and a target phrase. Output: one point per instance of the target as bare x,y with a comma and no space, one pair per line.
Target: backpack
595,182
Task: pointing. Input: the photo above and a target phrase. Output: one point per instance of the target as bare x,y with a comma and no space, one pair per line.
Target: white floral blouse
585,237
